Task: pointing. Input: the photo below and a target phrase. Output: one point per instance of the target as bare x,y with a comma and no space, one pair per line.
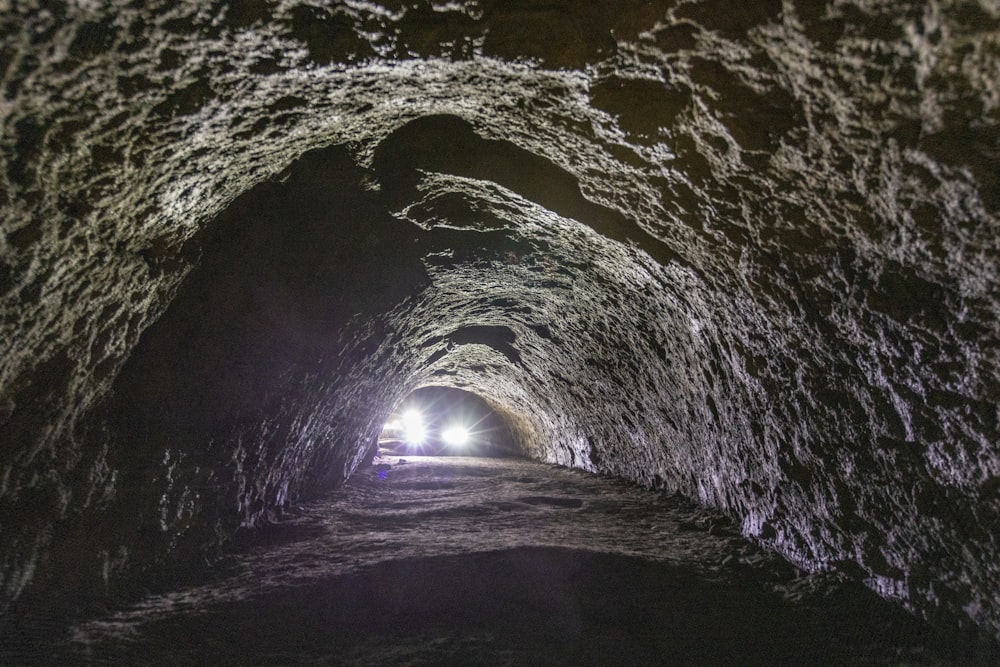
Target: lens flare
414,431
456,436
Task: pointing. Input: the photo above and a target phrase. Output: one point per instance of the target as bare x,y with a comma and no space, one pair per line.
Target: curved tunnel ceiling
749,255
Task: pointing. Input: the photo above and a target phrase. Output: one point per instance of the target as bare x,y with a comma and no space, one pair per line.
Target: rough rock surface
476,561
747,254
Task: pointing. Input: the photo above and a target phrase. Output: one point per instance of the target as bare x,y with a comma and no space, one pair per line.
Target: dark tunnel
747,256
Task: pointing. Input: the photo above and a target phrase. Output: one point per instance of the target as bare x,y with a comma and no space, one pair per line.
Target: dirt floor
462,561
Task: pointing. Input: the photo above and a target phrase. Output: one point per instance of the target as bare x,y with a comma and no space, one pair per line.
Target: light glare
414,431
456,436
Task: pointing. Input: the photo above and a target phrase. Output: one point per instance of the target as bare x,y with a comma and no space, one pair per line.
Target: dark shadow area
541,605
442,412
500,338
284,268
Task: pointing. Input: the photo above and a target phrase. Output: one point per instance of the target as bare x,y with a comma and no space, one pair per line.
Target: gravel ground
423,560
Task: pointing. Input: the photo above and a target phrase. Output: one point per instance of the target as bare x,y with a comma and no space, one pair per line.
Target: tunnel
747,255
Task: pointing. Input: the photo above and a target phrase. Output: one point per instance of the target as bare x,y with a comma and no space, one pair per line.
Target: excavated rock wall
745,253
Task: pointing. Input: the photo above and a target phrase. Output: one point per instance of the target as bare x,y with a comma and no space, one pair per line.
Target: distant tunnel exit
443,421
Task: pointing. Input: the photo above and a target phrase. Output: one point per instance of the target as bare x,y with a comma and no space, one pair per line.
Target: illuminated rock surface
746,255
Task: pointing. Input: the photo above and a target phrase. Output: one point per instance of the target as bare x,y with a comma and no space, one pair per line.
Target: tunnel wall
749,255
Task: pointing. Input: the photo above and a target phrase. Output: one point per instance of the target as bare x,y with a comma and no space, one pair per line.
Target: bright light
456,436
414,431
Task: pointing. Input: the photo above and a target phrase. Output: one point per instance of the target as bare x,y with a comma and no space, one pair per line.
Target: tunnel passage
314,300
747,256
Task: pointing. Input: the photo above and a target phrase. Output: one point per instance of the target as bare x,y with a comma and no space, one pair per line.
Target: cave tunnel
741,254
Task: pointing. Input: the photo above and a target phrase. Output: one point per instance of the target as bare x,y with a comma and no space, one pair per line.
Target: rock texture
748,254
499,561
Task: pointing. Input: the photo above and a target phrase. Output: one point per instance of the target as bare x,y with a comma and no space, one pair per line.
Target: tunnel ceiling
743,252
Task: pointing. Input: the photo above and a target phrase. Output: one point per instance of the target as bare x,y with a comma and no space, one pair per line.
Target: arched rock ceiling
744,252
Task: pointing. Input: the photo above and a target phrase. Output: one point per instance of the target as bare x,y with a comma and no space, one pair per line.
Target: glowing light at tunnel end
414,430
455,436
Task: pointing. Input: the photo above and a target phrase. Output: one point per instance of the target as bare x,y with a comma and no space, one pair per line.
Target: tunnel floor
499,561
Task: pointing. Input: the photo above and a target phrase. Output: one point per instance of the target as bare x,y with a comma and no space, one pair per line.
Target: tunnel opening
445,421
